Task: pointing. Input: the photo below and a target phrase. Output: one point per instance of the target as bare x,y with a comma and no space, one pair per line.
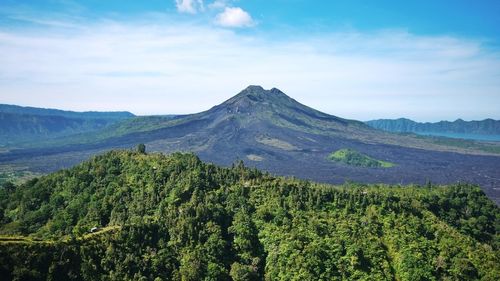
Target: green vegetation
177,218
30,126
355,158
8,174
141,148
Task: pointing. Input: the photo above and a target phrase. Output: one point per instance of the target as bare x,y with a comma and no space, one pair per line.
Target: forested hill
27,110
484,127
31,125
176,218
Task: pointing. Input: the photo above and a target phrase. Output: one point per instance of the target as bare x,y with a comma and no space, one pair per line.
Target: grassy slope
355,158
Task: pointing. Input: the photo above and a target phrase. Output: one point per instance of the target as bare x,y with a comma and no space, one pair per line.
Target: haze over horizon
188,113
354,59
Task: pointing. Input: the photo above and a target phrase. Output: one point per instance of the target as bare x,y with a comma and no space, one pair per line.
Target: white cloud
163,67
229,16
234,17
189,6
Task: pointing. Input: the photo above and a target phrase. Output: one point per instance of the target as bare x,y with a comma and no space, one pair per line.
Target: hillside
354,158
271,131
483,127
27,110
19,125
176,218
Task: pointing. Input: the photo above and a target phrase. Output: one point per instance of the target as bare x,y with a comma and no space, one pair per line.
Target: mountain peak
258,94
255,98
254,88
258,102
276,91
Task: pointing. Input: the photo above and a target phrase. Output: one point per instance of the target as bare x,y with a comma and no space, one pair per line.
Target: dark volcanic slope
269,130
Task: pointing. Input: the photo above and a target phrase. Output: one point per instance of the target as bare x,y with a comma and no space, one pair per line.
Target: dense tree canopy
176,218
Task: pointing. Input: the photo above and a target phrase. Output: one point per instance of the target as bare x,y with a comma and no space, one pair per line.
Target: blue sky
426,60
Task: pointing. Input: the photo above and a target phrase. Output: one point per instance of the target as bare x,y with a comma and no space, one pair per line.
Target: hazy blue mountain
29,124
7,108
459,126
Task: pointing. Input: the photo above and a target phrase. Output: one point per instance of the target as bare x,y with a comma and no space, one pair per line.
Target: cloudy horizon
190,55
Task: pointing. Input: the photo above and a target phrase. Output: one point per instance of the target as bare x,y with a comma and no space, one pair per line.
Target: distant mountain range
271,131
30,124
403,125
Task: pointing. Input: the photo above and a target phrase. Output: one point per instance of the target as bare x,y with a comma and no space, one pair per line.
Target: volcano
271,131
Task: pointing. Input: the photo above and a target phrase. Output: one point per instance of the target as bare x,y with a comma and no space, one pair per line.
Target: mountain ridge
271,131
487,126
34,125
29,110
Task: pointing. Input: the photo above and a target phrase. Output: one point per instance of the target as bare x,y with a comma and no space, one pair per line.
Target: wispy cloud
189,6
219,4
162,67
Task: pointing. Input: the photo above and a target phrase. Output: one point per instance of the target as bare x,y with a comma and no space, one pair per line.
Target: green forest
129,215
354,158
